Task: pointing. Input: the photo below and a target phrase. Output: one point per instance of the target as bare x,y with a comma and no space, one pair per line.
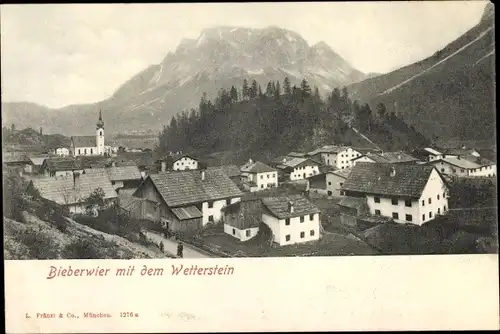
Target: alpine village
271,162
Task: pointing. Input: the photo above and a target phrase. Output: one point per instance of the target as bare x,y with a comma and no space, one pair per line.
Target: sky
56,55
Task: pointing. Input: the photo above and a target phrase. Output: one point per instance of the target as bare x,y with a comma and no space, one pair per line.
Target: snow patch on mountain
255,72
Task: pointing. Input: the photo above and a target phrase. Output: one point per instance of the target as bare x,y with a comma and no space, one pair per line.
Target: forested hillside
32,140
263,123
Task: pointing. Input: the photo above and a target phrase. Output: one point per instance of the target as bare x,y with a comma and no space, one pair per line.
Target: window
210,205
84,151
274,175
329,183
408,203
439,211
210,218
302,219
100,133
311,217
91,151
377,212
261,177
430,200
442,170
287,221
409,218
228,201
113,183
311,233
394,201
430,214
462,170
302,235
329,193
377,199
341,184
395,215
444,195
438,197
234,231
247,233
444,208
423,216
423,203
79,152
267,175
287,237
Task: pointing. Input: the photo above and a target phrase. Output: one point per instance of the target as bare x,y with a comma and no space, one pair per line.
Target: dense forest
262,123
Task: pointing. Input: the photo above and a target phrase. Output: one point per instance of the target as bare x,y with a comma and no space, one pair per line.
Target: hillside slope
448,95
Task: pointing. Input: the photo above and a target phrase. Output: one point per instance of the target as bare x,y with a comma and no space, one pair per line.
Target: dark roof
409,180
478,160
84,141
328,149
389,157
245,214
317,181
229,170
256,167
344,173
186,187
352,202
278,206
61,164
459,151
9,158
460,163
190,212
93,160
296,154
291,162
117,173
62,190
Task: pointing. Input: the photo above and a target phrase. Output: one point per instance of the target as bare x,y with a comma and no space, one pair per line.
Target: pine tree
245,90
317,97
274,87
269,89
381,110
286,86
261,95
277,91
254,90
41,131
306,90
234,94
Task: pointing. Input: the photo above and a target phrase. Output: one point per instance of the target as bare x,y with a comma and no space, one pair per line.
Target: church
89,145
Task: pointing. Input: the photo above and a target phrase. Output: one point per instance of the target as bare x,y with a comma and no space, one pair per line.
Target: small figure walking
161,246
180,248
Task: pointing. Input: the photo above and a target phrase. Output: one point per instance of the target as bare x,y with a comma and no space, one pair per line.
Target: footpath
170,246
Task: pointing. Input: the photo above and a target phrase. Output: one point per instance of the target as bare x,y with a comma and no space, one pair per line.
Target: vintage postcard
199,167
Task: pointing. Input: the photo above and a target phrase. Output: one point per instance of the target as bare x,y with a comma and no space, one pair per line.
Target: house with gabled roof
386,157
178,162
187,200
242,219
232,171
292,219
71,191
61,166
20,162
408,193
465,166
120,177
256,176
290,168
335,155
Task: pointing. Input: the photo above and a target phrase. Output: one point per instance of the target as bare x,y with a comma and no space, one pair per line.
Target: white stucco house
62,151
339,157
465,166
178,162
291,168
242,219
256,176
187,200
292,219
411,193
386,157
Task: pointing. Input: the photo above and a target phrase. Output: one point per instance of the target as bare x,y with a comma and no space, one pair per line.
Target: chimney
163,165
76,179
464,147
290,206
250,161
284,159
399,156
203,175
458,157
393,171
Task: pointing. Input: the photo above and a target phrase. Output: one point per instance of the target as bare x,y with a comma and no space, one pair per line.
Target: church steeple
100,122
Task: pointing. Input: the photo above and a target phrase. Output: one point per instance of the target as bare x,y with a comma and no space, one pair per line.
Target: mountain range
219,58
447,95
